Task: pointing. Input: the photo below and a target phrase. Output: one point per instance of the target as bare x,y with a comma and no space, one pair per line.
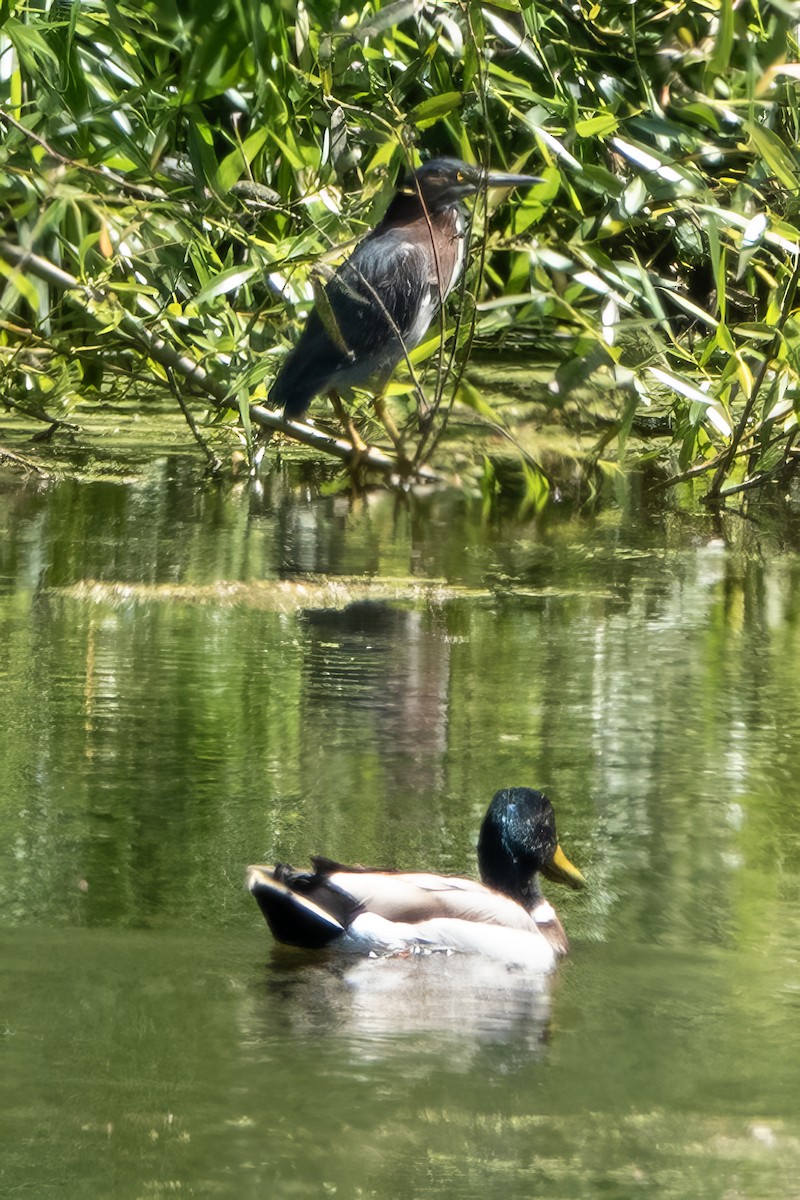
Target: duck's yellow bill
561,870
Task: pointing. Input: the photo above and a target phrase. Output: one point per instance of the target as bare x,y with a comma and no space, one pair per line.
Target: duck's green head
518,840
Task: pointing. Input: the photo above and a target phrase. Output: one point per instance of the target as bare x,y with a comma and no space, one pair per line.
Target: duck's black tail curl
302,908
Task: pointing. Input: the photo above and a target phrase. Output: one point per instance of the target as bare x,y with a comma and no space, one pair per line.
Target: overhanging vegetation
190,164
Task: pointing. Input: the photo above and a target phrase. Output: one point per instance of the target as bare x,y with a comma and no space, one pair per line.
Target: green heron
381,301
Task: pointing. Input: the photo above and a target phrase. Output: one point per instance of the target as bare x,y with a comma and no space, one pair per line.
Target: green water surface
642,666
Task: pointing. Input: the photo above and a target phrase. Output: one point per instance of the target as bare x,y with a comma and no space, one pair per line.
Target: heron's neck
406,207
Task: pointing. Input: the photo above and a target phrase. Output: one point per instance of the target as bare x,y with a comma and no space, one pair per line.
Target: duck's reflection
377,1003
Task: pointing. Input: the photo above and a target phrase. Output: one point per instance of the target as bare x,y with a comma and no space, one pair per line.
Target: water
640,665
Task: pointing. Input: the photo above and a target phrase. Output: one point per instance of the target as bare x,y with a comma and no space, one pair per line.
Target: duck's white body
372,934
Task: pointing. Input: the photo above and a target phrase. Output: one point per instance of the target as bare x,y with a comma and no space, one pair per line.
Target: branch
254,193
27,463
125,185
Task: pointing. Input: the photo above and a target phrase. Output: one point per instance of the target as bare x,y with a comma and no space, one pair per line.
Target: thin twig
524,454
787,463
214,462
716,491
456,350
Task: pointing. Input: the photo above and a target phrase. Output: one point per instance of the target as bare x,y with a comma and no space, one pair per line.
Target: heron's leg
387,421
358,443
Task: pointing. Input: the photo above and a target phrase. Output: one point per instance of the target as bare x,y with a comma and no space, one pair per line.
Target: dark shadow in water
387,666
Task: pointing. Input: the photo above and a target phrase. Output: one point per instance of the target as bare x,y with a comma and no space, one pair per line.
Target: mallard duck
505,917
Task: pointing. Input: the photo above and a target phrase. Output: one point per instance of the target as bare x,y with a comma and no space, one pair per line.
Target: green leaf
226,281
469,396
537,487
600,180
700,114
771,457
294,159
724,339
233,166
201,149
18,283
434,108
31,47
634,195
328,316
626,422
721,57
775,154
718,262
596,126
756,331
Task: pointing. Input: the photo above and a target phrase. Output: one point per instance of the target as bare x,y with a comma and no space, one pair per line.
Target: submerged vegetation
172,173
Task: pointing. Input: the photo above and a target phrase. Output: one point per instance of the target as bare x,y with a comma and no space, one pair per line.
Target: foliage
196,160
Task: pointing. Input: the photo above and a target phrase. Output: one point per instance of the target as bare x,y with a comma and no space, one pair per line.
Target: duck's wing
411,898
301,908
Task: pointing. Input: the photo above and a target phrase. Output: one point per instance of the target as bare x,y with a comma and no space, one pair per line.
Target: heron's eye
459,176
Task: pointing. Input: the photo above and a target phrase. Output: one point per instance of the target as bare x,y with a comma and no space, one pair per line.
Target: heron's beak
499,179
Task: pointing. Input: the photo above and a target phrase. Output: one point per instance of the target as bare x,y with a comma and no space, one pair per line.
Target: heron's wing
379,304
379,292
